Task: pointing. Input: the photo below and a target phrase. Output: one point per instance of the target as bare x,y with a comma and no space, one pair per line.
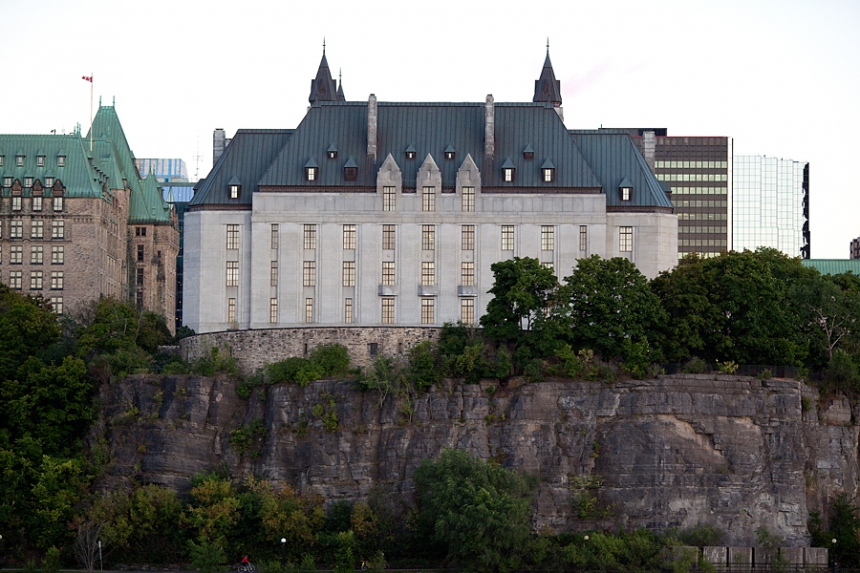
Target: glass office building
771,204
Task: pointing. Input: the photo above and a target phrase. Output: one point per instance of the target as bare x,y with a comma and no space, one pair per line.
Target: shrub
695,365
728,367
208,556
702,536
765,374
423,369
842,372
333,359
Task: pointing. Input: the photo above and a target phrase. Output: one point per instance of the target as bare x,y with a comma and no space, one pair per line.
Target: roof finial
323,45
547,44
339,76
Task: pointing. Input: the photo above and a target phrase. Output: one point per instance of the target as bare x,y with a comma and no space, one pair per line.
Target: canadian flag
87,78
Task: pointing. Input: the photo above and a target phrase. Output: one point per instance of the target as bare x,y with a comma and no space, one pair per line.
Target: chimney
649,142
371,127
489,129
218,144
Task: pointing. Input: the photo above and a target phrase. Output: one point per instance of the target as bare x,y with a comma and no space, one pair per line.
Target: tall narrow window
273,310
16,203
467,273
232,273
387,310
507,237
57,304
310,236
349,273
389,198
140,253
58,203
428,202
139,273
56,280
57,255
36,254
309,310
468,198
547,238
15,278
625,239
428,311
16,229
35,280
273,274
347,311
16,254
309,273
583,237
467,237
349,236
467,310
231,310
37,203
388,236
388,273
234,191
37,229
428,237
232,237
428,273
275,236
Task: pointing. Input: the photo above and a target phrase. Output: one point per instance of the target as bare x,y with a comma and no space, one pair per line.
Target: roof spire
323,87
340,96
547,88
323,45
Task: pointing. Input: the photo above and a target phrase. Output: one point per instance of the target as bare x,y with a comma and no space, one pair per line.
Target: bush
333,359
765,374
208,556
216,362
702,536
695,365
842,372
423,369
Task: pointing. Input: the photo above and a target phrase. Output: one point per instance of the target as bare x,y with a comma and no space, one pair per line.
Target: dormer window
331,152
509,172
449,152
61,161
40,161
625,190
19,161
49,181
28,181
547,172
350,170
311,173
234,187
234,191
1,160
410,152
7,182
528,152
625,193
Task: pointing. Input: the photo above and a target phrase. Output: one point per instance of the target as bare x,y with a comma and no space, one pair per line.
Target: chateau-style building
378,213
77,222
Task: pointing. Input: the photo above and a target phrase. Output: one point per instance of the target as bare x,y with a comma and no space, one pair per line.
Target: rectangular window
234,191
140,253
16,203
389,198
467,273
58,203
56,280
37,229
467,310
232,237
35,280
141,231
231,310
625,239
61,161
547,237
232,273
310,236
273,274
40,161
388,236
273,310
275,236
388,273
57,255
428,237
349,273
467,237
349,236
15,279
57,304
16,254
507,237
347,311
387,311
36,254
58,229
140,276
309,310
16,229
583,237
428,311
468,199
428,202
309,273
428,273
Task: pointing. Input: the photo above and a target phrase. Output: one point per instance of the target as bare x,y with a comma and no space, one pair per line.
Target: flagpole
91,112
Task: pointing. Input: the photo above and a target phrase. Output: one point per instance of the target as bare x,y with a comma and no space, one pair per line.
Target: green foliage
217,362
843,526
344,559
109,325
423,370
701,536
28,327
641,550
51,563
765,374
728,367
477,510
243,437
328,360
333,359
772,543
208,556
695,365
842,373
805,404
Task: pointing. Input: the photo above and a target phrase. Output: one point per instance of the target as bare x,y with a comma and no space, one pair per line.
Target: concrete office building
374,213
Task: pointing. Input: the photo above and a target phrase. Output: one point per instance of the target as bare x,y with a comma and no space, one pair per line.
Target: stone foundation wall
255,348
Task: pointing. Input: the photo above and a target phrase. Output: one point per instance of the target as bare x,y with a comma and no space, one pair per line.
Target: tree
608,306
479,511
28,326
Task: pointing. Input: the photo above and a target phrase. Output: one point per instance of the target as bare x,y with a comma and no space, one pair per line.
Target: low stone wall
255,348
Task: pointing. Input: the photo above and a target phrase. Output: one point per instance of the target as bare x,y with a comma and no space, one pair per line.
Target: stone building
77,222
376,213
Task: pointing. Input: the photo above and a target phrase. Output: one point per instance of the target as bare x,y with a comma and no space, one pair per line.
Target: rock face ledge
733,452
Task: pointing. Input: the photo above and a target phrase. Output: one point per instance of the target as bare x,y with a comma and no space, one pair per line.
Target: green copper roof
833,266
147,204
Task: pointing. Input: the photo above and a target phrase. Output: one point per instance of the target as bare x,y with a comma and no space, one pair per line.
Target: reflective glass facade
771,204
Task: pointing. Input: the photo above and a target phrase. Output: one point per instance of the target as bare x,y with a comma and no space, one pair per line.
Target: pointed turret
340,96
323,87
547,88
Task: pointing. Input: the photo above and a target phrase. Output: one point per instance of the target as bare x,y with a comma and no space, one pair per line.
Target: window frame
428,199
428,310
309,273
547,238
389,198
232,236
428,237
508,237
467,310
467,237
467,273
309,236
468,200
349,235
348,274
232,273
428,273
625,239
389,237
387,310
389,273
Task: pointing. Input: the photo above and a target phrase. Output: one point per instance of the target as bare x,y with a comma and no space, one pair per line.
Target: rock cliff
734,452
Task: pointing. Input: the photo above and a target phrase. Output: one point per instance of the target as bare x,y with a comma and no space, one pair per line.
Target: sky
780,77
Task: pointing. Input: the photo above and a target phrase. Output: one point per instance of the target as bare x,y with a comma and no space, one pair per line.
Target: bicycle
249,568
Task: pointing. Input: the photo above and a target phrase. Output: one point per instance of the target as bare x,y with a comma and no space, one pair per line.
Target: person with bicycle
246,566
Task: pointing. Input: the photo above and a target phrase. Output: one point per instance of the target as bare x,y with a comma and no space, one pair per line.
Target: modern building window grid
309,273
348,274
468,201
273,310
467,273
507,237
232,273
388,237
467,237
428,237
625,239
347,311
428,311
309,236
388,273
349,237
428,273
467,310
389,198
387,310
547,238
232,237
428,199
273,274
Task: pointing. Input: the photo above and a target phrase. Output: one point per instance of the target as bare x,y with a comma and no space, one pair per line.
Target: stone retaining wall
255,348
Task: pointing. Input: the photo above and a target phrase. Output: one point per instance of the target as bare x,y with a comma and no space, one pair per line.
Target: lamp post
101,563
283,549
835,561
